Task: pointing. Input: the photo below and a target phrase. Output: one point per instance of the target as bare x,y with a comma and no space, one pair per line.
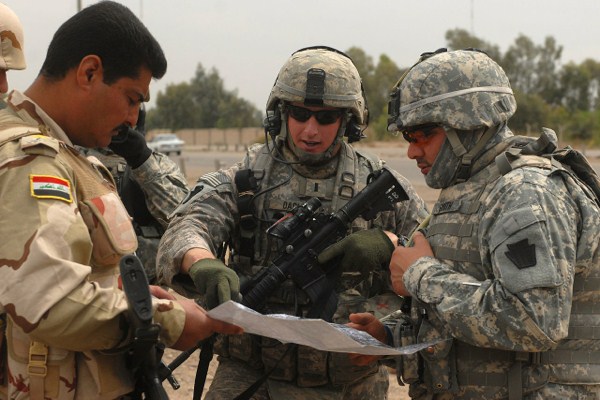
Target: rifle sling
206,355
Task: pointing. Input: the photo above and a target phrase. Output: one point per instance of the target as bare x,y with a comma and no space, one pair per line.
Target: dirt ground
186,373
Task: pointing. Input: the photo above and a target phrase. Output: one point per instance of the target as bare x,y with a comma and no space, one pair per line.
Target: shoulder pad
255,147
40,144
212,182
372,158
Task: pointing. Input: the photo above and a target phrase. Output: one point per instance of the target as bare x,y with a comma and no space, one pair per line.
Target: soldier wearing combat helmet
506,273
316,101
12,54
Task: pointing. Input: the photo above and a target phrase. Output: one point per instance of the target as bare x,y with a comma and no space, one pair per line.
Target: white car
166,143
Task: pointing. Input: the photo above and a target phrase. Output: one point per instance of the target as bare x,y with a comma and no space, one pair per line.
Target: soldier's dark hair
113,33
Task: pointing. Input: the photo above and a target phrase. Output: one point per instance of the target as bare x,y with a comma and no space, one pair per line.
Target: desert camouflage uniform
211,218
11,40
515,281
153,191
12,53
63,233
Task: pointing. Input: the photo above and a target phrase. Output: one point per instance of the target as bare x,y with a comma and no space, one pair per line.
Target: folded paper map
315,333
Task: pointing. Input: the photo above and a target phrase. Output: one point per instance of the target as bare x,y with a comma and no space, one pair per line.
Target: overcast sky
247,41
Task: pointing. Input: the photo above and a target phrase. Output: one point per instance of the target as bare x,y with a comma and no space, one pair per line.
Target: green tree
172,109
458,39
533,68
582,126
531,110
202,103
580,85
378,80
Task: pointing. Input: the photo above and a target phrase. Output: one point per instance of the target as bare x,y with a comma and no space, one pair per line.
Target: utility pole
78,5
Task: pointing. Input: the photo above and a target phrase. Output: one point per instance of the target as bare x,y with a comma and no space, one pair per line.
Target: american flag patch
50,187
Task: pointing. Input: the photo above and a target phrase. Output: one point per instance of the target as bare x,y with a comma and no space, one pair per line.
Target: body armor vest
454,236
304,366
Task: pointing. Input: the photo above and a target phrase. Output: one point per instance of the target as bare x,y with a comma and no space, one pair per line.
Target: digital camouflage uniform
515,281
211,218
150,193
59,267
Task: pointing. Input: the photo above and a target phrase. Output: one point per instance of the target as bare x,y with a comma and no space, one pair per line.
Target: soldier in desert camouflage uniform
508,268
12,54
316,101
150,185
64,229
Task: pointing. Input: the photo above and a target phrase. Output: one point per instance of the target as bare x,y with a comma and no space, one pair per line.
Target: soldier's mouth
310,145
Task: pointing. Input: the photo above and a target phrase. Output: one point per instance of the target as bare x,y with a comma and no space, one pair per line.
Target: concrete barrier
231,139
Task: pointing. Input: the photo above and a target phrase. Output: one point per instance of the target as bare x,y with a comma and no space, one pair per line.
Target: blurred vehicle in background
166,143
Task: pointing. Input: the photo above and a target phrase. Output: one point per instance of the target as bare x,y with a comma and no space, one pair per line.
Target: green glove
217,282
362,251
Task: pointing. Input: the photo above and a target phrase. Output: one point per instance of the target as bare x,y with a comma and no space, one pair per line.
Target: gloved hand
217,282
362,251
131,143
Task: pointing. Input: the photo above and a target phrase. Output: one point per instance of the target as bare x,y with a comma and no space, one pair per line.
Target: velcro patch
50,187
522,254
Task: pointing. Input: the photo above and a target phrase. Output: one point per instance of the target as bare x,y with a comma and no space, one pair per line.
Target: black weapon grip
136,287
137,291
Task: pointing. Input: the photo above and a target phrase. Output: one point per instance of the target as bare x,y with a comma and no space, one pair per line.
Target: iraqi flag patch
50,187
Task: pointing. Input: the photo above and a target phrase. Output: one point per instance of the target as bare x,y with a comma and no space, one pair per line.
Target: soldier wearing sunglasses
316,102
506,274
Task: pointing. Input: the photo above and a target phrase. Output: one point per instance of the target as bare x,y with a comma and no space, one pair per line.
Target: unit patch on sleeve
50,187
522,254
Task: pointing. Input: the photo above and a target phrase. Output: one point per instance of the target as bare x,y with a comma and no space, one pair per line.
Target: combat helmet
321,76
11,40
466,93
462,89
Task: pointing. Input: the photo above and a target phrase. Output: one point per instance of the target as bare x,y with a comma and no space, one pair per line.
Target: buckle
38,358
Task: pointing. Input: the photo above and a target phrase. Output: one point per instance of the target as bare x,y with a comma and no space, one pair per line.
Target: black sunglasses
324,117
420,134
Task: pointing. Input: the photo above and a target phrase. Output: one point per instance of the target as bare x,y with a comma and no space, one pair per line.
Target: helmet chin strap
466,157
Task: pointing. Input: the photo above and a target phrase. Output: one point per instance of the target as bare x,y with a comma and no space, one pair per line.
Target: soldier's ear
89,70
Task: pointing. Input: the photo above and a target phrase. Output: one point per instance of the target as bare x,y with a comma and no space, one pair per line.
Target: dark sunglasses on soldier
420,134
324,117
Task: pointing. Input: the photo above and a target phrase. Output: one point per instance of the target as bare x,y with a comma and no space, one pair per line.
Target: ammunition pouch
438,360
515,372
407,366
305,366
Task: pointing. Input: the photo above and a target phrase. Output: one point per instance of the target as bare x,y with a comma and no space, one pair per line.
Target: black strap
247,394
206,355
246,185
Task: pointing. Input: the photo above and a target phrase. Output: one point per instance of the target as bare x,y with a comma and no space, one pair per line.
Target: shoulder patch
215,179
40,144
522,254
50,187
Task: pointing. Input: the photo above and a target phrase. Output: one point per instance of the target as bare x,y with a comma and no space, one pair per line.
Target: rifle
145,352
304,233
